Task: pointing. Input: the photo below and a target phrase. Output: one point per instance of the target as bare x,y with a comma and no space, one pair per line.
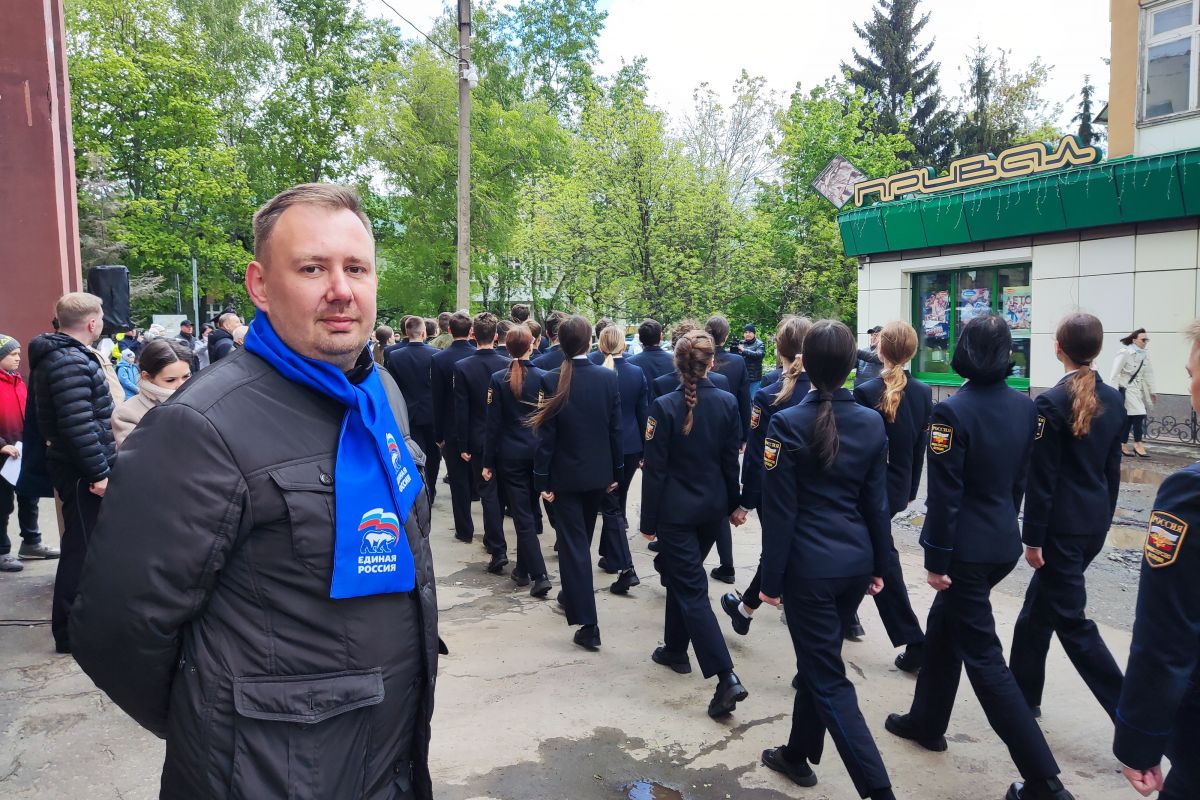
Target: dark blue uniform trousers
895,609
817,612
459,474
614,524
689,615
426,440
961,632
493,510
1056,602
516,480
574,521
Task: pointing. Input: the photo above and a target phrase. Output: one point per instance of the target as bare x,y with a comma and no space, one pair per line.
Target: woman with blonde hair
906,405
635,400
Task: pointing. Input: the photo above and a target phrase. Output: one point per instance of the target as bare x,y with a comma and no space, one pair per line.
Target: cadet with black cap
979,448
1159,710
689,490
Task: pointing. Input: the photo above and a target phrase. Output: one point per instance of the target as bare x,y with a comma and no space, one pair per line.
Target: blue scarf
375,479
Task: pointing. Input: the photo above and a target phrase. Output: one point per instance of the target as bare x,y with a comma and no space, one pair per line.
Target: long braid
693,354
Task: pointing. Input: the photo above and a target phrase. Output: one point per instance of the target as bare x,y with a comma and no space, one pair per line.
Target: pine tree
1086,133
901,82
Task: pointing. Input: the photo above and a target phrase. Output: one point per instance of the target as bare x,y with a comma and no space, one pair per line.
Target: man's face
186,329
317,281
747,336
874,340
12,361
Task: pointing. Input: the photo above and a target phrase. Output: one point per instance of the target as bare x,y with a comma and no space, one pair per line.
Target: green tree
1002,105
901,82
1087,134
554,47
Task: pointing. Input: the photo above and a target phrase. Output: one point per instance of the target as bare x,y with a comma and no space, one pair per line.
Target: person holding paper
12,422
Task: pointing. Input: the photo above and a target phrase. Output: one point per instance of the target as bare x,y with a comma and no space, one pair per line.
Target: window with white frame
1171,43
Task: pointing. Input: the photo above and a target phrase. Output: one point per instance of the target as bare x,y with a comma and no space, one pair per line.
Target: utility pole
465,73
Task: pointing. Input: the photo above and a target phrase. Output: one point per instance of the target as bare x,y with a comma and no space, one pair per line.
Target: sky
688,42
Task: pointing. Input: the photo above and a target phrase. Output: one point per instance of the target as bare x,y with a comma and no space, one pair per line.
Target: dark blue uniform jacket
824,523
472,376
1073,482
441,378
693,479
579,448
761,412
980,441
1162,680
665,384
409,365
655,362
550,360
733,367
508,437
635,402
907,437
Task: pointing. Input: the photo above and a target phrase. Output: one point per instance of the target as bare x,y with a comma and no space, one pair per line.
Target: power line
418,30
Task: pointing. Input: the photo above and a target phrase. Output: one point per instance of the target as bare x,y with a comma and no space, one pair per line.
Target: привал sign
1015,162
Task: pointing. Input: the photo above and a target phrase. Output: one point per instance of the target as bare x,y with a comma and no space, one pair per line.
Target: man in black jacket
653,360
472,379
220,340
869,364
441,378
409,365
74,407
205,610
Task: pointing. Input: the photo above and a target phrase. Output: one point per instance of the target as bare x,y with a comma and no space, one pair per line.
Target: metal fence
1174,430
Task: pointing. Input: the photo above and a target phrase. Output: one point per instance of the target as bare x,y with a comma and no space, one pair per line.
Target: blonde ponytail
897,346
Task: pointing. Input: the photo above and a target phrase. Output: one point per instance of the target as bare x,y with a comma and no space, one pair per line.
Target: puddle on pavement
648,790
1142,476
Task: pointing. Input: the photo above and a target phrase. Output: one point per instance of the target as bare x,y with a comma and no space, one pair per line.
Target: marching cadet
826,541
733,367
1074,479
514,393
1159,709
472,377
905,405
653,360
635,399
789,344
689,491
441,375
579,458
552,358
409,364
979,449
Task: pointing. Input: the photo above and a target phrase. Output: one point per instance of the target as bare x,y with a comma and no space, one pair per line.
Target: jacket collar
841,395
156,394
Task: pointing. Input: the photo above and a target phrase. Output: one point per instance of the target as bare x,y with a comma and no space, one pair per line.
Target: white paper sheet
10,468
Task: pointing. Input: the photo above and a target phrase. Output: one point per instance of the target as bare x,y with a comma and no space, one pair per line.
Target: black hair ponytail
829,354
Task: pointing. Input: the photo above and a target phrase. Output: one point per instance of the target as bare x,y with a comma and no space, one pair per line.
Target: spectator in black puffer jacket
74,407
752,350
220,341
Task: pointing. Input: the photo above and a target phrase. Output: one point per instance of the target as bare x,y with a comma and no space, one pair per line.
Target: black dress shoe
559,599
653,546
541,587
901,725
497,564
1045,789
588,637
796,681
800,774
676,661
63,648
603,564
729,604
1036,711
627,579
912,659
464,539
723,574
729,693
519,578
854,631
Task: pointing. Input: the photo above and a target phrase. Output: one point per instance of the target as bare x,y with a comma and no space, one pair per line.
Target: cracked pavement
523,714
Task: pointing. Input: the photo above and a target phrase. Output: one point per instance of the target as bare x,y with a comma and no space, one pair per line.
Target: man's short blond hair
1192,332
327,195
74,309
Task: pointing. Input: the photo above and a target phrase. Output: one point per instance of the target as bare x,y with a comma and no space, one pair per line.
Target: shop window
943,302
1171,40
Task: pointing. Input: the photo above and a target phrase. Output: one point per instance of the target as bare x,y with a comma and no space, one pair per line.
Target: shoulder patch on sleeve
755,415
651,426
541,398
1041,427
489,397
771,453
941,438
1164,539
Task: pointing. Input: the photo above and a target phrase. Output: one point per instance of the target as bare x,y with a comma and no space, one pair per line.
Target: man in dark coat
220,340
653,360
409,365
73,405
205,609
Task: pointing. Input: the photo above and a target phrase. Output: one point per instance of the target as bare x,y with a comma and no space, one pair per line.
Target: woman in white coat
1133,375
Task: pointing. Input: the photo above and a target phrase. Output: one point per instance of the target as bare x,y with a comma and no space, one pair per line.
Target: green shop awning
1114,192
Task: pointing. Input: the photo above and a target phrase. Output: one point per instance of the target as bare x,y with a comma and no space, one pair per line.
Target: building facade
1118,238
